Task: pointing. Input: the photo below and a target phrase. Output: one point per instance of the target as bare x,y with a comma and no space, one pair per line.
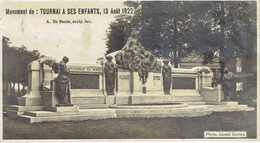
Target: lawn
157,128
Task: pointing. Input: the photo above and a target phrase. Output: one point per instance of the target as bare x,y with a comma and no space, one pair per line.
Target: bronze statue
62,83
166,73
110,74
227,84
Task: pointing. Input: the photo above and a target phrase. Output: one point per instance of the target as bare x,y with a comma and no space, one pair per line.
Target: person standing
166,73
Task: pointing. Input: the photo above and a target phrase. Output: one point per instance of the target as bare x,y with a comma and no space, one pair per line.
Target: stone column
33,96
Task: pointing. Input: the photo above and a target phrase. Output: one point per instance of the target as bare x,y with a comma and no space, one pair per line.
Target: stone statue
62,83
135,58
110,74
228,85
166,73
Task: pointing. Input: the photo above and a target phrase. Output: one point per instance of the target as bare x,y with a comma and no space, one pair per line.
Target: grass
157,128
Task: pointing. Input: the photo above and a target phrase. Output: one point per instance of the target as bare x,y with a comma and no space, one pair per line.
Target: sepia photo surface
129,70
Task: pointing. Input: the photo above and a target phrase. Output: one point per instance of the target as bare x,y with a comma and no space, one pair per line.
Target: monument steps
79,100
96,111
90,102
181,114
223,103
48,113
195,103
30,119
95,114
25,108
230,108
165,99
160,111
93,106
13,114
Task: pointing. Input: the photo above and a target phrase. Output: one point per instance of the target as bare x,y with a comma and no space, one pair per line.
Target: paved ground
134,128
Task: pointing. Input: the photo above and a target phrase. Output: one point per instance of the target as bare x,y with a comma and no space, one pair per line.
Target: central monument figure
134,57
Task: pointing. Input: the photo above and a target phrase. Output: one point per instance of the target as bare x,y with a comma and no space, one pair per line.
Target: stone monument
134,57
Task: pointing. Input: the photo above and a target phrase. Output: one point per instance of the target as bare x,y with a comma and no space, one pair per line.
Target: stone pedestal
33,96
212,95
110,100
49,100
124,82
66,109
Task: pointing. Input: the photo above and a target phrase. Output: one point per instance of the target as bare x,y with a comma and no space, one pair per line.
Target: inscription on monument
156,77
73,68
124,76
183,83
84,81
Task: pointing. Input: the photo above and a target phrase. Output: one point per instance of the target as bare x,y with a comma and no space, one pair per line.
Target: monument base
32,98
64,105
72,113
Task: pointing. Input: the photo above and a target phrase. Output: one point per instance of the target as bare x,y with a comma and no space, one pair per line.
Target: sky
82,43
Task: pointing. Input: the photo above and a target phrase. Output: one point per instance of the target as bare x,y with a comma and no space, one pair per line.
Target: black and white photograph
129,71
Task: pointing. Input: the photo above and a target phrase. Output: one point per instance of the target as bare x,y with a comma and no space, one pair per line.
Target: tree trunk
23,88
10,85
13,88
175,60
222,53
18,89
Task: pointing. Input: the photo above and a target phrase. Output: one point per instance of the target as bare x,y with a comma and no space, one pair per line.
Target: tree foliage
15,61
205,27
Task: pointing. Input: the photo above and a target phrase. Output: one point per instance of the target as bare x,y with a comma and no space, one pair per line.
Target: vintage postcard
129,71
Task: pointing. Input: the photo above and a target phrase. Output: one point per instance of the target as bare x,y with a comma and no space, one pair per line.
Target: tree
117,34
233,31
15,61
166,28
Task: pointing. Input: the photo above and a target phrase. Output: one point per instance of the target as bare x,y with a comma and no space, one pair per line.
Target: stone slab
25,108
194,102
93,106
66,109
164,99
48,113
13,114
230,108
29,100
29,119
110,99
97,111
88,100
64,105
123,99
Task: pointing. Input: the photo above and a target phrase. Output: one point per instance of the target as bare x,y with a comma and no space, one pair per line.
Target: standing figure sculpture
110,74
166,73
228,85
63,83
